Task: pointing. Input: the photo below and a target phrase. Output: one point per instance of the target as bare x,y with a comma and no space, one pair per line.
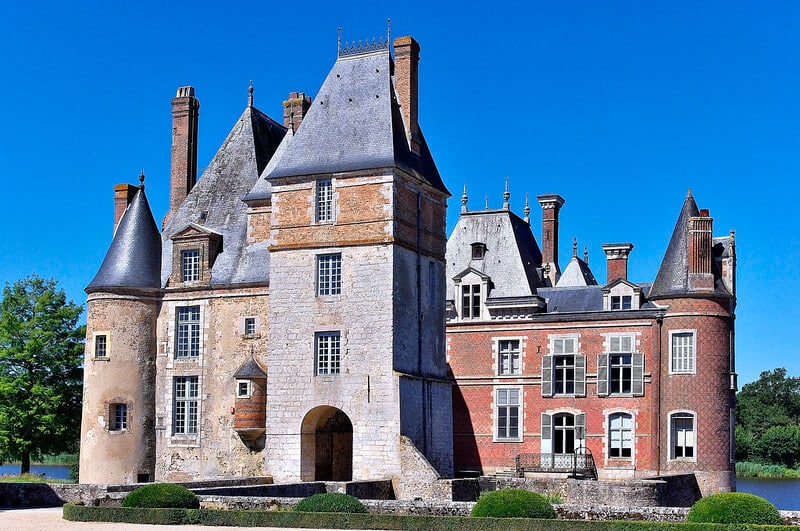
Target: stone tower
696,284
357,379
117,437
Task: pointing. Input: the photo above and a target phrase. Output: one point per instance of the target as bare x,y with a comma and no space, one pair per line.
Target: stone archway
326,445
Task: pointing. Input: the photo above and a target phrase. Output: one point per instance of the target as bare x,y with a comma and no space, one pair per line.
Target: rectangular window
328,353
508,413
186,393
508,356
329,274
471,301
100,346
620,435
620,365
564,375
188,336
190,265
621,302
119,417
249,326
682,434
243,388
683,352
325,200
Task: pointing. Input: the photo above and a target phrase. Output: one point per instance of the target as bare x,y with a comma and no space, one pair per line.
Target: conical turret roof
134,258
673,275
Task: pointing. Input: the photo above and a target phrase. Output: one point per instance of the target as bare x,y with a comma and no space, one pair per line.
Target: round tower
117,425
698,384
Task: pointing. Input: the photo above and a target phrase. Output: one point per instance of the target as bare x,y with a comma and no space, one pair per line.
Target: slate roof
134,258
355,123
573,299
577,273
672,278
512,254
250,369
218,196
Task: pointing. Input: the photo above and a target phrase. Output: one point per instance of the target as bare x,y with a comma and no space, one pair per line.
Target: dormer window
471,301
471,290
194,250
190,265
621,302
478,251
620,295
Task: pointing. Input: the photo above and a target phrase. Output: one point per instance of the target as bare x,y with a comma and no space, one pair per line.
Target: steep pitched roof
577,273
673,275
250,369
512,255
355,124
216,201
134,258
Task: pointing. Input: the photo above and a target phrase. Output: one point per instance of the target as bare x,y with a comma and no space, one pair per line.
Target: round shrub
330,502
513,503
734,508
163,496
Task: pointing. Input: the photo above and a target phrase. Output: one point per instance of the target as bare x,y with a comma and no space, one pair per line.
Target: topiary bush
734,508
162,495
330,502
513,503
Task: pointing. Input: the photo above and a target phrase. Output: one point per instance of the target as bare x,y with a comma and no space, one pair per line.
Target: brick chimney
406,83
617,260
551,205
295,109
183,171
123,195
701,277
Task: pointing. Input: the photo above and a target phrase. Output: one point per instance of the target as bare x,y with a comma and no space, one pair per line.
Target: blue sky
620,107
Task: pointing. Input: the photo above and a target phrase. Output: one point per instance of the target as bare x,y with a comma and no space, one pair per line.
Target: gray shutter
580,375
547,426
580,426
638,374
602,375
547,376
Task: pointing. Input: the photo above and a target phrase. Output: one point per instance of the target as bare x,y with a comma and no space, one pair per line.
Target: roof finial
141,180
689,193
487,202
250,94
464,199
389,30
339,40
527,210
586,255
574,247
506,195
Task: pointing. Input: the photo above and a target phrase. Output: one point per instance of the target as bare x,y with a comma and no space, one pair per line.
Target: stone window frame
548,428
556,367
621,302
606,366
498,355
106,342
620,291
324,204
328,274
118,417
675,355
503,408
674,433
191,270
194,238
610,429
244,388
327,353
189,402
194,336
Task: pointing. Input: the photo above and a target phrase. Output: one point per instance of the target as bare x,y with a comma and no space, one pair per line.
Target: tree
772,400
41,354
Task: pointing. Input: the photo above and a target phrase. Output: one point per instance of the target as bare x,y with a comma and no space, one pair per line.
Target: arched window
620,435
682,435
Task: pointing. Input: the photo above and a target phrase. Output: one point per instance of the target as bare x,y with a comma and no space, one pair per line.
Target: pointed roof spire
527,210
586,255
464,199
506,196
134,258
672,277
574,247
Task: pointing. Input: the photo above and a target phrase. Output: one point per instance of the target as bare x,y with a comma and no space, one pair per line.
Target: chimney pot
183,169
551,206
295,109
406,83
617,260
123,195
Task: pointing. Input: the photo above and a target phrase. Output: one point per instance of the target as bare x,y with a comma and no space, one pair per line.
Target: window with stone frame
682,435
620,435
509,356
471,301
244,388
327,351
507,413
682,351
564,370
324,200
186,405
249,326
621,302
101,345
118,417
329,274
190,265
188,332
620,371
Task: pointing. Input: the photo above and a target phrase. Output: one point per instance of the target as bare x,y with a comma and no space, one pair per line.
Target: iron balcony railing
581,463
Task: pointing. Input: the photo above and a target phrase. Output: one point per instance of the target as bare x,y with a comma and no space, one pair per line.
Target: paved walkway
49,519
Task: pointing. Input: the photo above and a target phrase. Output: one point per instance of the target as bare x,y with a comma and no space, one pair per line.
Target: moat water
782,493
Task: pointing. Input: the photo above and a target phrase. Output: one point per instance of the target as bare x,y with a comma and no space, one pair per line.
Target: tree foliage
768,419
41,352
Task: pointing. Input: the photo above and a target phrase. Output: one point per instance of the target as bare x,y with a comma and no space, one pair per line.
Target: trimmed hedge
513,503
162,496
249,518
734,508
330,502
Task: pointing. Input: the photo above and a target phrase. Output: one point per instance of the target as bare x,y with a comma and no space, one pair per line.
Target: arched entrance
326,445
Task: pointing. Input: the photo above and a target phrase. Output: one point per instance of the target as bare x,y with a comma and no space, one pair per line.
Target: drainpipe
660,324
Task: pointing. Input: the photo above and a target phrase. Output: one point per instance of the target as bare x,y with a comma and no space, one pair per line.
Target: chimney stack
617,260
183,171
123,195
295,109
406,83
551,205
701,276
